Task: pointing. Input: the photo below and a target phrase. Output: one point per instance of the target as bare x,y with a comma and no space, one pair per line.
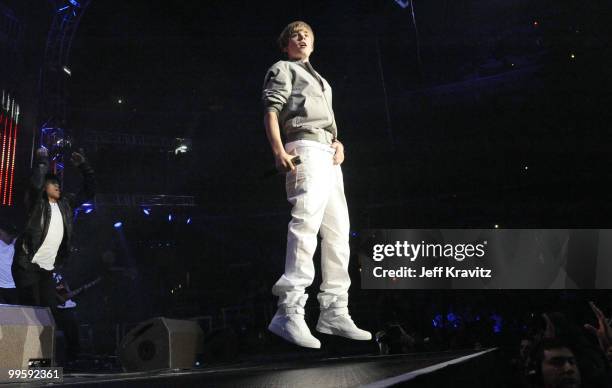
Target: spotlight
147,212
181,145
403,3
118,224
188,221
67,70
88,211
181,149
169,217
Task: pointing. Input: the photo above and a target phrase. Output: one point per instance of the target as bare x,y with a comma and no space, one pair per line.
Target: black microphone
273,171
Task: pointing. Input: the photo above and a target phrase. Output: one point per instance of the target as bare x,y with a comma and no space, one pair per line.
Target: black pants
8,296
36,287
66,320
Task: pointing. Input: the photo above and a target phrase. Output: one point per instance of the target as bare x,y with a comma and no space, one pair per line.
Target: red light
8,162
12,180
9,116
3,122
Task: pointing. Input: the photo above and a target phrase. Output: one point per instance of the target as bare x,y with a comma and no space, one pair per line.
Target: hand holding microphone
284,163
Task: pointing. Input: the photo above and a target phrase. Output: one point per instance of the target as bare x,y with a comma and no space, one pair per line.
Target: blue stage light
437,321
118,225
147,212
169,217
88,211
188,221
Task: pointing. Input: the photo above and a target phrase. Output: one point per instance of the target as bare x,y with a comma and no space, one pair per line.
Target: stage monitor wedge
26,333
161,343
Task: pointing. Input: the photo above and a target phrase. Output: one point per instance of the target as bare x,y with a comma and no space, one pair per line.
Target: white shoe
337,321
292,327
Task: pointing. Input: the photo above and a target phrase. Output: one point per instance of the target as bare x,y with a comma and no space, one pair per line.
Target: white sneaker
338,322
292,327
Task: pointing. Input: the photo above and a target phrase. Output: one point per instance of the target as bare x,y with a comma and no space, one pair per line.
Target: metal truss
143,200
55,73
134,140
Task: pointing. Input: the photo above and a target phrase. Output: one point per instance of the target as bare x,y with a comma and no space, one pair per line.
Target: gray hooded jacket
303,101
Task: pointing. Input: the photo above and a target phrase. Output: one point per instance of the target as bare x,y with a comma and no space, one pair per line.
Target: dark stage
474,368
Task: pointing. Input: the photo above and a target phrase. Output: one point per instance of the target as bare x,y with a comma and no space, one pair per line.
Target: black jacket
39,215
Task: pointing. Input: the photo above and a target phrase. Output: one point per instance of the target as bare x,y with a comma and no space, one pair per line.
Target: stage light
169,217
437,321
75,3
188,221
67,70
572,56
498,323
147,212
535,24
89,210
180,150
526,167
496,226
403,3
181,145
120,101
118,225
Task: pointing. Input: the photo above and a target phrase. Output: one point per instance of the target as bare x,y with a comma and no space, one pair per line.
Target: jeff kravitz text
412,252
435,272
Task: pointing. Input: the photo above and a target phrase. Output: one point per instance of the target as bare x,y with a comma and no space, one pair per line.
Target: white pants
316,191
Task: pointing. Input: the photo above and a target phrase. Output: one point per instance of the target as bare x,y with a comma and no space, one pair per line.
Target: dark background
483,118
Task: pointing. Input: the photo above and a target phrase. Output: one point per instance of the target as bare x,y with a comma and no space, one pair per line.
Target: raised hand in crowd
603,331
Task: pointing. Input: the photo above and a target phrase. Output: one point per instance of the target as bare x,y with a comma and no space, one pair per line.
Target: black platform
453,369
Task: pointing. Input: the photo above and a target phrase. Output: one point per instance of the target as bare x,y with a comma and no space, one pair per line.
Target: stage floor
371,371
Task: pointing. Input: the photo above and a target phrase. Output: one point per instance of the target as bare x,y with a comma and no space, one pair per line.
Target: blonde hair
283,39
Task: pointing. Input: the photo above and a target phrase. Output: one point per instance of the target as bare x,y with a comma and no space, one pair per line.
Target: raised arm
37,180
88,188
40,169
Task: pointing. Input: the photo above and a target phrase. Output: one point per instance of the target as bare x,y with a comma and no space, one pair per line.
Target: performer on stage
299,101
8,233
45,241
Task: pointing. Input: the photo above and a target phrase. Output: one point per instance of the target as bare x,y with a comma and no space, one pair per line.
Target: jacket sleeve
88,189
37,181
277,88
